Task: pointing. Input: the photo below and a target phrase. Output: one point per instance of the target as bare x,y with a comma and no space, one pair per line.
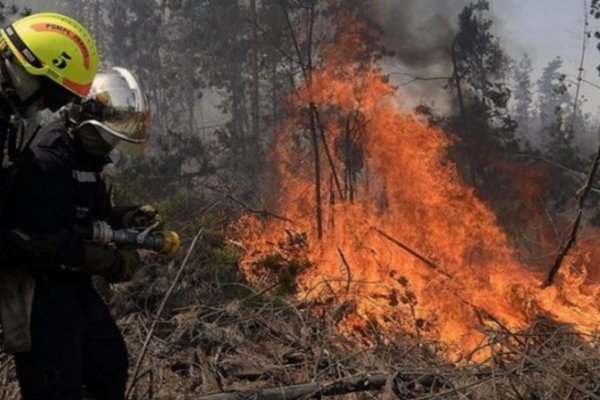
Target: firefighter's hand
114,265
130,262
142,216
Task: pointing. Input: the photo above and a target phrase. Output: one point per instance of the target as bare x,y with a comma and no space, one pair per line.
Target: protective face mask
93,142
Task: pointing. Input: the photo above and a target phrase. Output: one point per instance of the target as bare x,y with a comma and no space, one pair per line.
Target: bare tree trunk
274,92
238,110
313,127
572,238
316,153
255,97
461,101
312,110
584,45
348,175
463,112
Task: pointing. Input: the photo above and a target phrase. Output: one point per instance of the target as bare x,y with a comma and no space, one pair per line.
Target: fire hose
162,242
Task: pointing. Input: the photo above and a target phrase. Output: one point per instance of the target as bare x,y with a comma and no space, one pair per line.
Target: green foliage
284,271
480,60
555,110
480,68
221,268
523,96
553,93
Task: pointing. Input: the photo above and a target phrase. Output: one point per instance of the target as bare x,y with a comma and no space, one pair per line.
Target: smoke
420,32
66,7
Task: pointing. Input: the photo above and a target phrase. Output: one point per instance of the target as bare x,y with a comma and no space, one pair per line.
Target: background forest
231,83
195,55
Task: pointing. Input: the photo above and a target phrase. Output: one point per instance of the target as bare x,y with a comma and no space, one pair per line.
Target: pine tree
554,105
523,97
480,67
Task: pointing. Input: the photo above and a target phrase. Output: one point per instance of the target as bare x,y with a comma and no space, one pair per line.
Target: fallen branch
414,253
411,385
353,384
572,239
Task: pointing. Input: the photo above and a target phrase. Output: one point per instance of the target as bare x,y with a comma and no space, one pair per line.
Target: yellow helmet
55,46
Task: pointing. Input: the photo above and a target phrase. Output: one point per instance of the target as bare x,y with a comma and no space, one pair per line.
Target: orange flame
410,204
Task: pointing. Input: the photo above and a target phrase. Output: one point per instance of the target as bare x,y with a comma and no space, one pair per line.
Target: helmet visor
119,110
124,118
124,114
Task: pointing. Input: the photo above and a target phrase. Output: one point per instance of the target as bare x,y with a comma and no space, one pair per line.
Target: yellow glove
143,216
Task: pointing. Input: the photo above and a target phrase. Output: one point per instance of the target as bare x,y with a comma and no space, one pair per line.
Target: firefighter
46,60
76,347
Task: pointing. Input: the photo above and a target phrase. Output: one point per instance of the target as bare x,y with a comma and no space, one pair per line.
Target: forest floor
216,334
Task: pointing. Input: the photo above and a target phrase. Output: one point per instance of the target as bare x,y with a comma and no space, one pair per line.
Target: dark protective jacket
55,186
75,343
7,139
16,288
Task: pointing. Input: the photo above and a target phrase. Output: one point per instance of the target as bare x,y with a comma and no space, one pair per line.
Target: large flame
415,250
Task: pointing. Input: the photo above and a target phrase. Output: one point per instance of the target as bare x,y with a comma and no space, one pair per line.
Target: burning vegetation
380,229
371,196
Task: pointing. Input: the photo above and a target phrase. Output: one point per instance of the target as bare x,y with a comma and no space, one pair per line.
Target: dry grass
218,334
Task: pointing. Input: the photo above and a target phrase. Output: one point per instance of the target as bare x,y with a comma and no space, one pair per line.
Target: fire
413,249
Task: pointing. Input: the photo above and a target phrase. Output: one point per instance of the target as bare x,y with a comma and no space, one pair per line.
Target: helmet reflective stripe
22,47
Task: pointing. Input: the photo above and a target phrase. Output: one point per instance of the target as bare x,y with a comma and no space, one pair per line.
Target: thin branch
584,45
294,39
592,84
543,366
416,78
261,212
327,150
579,175
348,269
174,283
412,252
572,239
308,78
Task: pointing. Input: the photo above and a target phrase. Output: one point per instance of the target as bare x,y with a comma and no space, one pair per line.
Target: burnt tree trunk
316,154
458,81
